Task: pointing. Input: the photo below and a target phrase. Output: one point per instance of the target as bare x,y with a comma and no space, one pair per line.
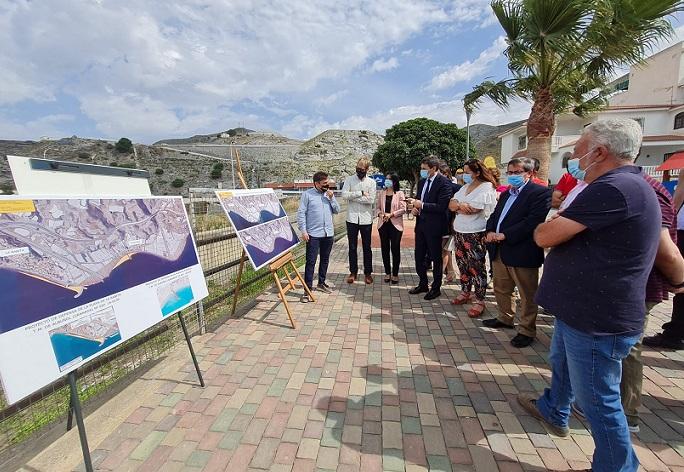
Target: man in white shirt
359,191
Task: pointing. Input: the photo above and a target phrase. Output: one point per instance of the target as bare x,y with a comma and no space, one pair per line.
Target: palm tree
561,53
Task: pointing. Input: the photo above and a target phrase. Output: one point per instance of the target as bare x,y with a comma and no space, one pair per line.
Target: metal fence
219,252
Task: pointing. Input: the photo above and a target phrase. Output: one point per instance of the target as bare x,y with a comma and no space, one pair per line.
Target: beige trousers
506,278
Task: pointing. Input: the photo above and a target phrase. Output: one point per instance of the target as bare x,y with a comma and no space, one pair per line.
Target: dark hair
431,161
485,175
395,181
319,176
566,157
526,163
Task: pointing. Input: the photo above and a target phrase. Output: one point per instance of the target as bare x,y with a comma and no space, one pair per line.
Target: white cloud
450,111
193,60
330,99
381,65
53,126
468,70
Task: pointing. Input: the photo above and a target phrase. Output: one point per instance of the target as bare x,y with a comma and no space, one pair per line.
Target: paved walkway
372,379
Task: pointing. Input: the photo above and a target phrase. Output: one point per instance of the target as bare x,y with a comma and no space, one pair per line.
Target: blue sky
159,69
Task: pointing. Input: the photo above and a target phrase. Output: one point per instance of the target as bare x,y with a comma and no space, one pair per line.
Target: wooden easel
285,262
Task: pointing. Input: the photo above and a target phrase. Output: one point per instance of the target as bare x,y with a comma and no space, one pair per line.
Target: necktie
427,189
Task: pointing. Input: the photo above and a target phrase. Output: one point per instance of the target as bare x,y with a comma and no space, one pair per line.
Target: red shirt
539,182
565,184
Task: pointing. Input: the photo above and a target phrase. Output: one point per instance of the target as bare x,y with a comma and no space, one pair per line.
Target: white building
652,94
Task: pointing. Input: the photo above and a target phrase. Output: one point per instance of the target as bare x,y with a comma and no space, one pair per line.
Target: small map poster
79,276
260,222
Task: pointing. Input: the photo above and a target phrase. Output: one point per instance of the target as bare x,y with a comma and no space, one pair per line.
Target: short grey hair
621,136
527,163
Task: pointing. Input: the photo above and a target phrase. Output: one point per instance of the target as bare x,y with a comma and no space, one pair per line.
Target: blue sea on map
280,245
183,296
67,348
25,299
264,216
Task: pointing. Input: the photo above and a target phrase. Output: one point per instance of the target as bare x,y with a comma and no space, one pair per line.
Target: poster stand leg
287,262
238,280
192,351
75,405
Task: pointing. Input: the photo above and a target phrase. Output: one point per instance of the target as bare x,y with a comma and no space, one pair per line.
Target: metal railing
219,252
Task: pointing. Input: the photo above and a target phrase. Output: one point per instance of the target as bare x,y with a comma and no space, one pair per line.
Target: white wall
656,122
509,145
654,155
656,81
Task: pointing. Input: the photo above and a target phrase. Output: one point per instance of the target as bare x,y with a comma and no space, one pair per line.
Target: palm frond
498,92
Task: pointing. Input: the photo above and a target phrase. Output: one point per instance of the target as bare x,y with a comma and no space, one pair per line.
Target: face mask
516,180
361,174
324,188
388,183
574,167
423,173
467,178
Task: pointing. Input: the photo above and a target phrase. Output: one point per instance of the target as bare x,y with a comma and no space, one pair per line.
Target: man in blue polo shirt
603,248
315,221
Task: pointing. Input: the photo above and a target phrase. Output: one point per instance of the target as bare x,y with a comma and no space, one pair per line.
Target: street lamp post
467,134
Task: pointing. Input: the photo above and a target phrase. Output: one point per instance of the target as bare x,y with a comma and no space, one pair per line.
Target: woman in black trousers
390,209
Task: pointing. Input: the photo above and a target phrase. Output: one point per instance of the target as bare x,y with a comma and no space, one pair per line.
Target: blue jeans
313,247
587,369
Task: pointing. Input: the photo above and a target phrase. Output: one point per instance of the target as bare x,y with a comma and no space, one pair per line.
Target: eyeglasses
515,172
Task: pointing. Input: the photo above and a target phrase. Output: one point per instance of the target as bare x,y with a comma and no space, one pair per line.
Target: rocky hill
485,138
205,160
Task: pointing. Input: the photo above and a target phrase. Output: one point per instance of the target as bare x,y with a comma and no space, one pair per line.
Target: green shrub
215,174
83,155
113,164
109,146
124,146
177,183
159,171
218,166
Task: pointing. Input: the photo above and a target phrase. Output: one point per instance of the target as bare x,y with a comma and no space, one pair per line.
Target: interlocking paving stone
375,379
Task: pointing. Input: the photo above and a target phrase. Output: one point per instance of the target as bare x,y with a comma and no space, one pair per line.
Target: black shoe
495,323
432,294
661,341
418,289
520,340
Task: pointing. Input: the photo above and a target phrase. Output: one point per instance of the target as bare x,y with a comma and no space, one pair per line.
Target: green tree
407,143
177,183
561,53
124,146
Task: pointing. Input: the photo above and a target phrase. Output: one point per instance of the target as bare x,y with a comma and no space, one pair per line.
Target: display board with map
78,276
260,222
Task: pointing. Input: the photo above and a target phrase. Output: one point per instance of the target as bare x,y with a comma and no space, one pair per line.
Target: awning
676,161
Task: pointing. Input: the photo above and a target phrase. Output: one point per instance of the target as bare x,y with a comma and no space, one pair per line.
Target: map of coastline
76,243
69,252
250,210
266,241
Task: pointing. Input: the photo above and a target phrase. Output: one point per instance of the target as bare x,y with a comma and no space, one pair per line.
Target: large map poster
260,222
79,276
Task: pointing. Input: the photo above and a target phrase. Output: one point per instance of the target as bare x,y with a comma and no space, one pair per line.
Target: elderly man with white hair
603,248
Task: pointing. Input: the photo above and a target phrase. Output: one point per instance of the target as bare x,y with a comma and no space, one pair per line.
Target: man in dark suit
431,212
516,258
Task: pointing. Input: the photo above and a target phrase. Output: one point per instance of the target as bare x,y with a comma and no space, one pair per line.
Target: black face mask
325,188
361,174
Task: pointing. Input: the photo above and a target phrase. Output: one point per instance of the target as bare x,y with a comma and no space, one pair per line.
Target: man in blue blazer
515,256
431,209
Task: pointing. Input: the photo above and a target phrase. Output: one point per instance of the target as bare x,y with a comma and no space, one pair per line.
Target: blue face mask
388,183
574,167
467,178
423,173
516,180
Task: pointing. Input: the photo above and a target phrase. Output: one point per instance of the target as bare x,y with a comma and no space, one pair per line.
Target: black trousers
430,245
353,231
313,248
674,329
390,240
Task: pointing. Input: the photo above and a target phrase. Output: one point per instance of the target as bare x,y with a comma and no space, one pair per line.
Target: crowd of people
604,239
